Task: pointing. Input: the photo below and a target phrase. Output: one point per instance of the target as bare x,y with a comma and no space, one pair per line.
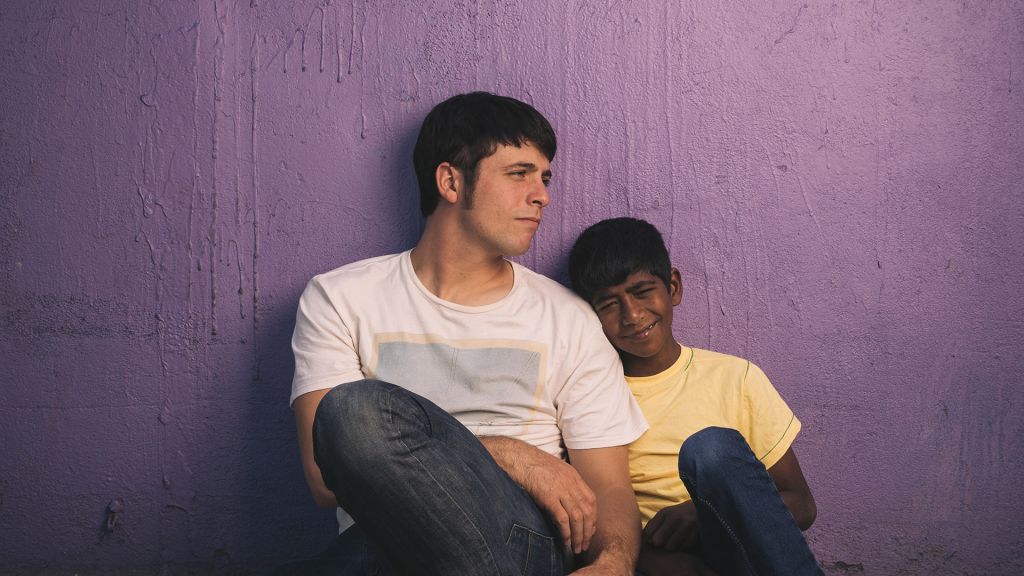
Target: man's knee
349,416
711,451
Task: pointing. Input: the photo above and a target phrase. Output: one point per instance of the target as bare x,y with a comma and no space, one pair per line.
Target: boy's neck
636,367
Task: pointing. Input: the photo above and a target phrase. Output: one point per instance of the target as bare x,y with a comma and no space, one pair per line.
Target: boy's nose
631,312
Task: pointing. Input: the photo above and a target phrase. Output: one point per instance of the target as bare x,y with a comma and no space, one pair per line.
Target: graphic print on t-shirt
466,377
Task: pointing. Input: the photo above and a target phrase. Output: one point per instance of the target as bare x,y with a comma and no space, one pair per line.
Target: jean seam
440,485
724,524
530,533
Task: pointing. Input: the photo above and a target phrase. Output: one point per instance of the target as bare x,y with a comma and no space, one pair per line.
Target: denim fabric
744,526
424,491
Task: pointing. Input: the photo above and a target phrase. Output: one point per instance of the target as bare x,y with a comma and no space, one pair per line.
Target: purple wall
840,185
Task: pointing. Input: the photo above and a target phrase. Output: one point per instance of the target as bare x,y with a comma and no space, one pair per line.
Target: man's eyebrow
527,165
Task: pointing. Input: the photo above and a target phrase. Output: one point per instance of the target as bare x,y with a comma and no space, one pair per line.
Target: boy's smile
636,317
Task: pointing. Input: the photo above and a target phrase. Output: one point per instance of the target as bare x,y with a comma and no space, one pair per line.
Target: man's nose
539,195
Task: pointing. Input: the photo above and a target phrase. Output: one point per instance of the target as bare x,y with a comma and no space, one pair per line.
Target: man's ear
675,287
449,182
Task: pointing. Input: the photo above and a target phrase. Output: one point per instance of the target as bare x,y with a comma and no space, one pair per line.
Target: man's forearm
616,541
515,457
555,486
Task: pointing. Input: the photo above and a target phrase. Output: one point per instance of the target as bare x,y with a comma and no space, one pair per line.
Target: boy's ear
675,287
449,182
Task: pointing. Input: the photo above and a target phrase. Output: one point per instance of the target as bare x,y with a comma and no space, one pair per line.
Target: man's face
636,316
509,196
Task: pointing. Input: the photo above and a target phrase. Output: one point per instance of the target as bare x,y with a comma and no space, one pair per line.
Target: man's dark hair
465,129
608,252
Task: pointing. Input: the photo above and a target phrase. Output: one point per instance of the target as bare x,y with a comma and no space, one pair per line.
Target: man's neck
460,273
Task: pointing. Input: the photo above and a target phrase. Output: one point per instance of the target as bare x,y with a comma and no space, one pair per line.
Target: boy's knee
710,451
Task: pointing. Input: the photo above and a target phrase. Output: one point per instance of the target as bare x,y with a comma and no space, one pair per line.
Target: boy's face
636,317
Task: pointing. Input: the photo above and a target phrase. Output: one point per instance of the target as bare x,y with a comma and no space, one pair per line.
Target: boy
715,477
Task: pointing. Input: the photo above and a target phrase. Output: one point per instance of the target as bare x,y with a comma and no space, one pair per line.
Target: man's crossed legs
426,496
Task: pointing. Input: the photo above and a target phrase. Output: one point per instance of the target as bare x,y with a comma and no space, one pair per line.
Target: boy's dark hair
465,129
608,252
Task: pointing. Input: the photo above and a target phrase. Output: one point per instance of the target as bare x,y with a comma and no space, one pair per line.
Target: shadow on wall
281,521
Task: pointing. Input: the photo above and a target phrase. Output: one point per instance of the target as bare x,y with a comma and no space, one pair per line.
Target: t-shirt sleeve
596,408
325,352
771,425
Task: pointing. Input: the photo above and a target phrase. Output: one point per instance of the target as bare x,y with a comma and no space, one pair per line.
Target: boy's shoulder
725,365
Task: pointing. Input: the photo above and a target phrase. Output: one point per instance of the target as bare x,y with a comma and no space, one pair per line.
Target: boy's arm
793,489
674,528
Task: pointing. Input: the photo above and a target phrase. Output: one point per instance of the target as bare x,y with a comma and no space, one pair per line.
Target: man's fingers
577,517
562,519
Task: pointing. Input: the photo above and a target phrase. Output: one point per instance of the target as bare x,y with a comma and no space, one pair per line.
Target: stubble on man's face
504,202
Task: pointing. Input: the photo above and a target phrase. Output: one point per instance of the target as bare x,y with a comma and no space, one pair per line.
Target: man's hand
673,528
554,485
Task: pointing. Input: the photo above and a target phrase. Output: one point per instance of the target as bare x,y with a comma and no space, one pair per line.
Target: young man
438,391
715,476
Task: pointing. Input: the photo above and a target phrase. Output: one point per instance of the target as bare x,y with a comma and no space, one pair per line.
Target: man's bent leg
745,528
424,489
348,555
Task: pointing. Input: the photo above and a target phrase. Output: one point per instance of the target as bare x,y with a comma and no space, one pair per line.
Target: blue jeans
744,526
424,491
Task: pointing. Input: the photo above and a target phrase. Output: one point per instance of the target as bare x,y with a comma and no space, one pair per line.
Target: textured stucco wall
840,184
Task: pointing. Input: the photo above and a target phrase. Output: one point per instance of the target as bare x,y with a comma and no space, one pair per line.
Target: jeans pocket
536,554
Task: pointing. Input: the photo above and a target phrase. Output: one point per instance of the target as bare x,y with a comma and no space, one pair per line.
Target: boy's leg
424,490
744,526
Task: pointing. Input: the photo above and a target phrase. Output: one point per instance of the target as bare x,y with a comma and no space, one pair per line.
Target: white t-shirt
533,366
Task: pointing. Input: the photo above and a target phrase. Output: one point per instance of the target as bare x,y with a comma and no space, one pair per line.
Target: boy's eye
546,180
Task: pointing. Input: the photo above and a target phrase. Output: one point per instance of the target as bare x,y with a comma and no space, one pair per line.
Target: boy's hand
660,562
673,528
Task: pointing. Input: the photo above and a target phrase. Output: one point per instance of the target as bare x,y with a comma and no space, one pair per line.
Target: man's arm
305,410
616,540
793,489
556,487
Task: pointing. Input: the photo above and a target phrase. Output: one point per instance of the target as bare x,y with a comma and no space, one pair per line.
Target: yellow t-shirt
702,389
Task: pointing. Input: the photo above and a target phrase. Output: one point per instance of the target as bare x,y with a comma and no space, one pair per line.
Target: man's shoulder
360,272
540,286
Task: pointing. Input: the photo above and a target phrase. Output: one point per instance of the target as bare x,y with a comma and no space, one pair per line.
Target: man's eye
546,180
518,173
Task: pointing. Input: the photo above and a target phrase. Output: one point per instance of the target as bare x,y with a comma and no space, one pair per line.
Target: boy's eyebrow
640,284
